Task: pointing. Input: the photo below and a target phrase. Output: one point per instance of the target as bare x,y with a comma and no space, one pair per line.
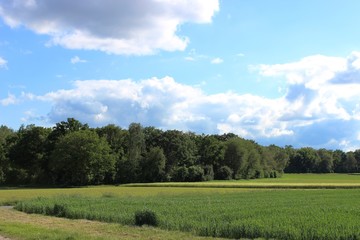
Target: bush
57,210
180,174
224,173
146,217
209,173
196,174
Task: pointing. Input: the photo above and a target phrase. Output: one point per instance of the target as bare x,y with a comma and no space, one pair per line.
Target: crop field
12,196
225,212
289,181
279,214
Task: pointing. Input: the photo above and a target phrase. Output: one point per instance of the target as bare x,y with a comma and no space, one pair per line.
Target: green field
301,181
209,210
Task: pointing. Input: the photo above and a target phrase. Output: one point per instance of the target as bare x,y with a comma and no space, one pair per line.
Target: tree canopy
72,153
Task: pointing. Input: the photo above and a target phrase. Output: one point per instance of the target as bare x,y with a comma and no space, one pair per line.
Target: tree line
72,153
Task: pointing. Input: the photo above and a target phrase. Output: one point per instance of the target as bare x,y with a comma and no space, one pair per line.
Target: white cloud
217,61
188,58
120,27
313,71
3,62
167,104
308,113
11,99
76,59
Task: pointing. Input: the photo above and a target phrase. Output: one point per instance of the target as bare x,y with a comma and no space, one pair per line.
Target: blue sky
282,72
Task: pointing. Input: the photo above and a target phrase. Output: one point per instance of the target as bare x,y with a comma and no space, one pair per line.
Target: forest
73,154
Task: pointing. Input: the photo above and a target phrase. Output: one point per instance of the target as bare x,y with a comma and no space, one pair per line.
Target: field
210,210
288,181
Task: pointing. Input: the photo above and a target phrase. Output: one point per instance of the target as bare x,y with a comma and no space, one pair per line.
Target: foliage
180,174
27,154
81,158
224,173
38,155
196,174
146,217
236,156
153,165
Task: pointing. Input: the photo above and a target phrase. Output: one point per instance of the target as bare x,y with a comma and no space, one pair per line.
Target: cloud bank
320,107
134,27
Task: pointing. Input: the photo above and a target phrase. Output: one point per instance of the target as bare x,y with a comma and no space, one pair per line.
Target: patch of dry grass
23,226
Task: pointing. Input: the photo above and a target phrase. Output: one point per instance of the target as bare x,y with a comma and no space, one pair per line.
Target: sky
277,72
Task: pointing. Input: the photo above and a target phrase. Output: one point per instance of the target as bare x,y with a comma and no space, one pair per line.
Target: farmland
213,211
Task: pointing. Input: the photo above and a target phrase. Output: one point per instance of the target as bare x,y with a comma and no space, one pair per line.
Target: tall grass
279,214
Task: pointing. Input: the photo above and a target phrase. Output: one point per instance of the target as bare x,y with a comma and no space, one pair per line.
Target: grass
288,181
279,214
12,196
23,226
283,209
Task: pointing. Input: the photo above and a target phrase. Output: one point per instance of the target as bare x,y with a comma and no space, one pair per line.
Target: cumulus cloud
323,98
167,104
76,59
320,107
3,62
217,61
120,27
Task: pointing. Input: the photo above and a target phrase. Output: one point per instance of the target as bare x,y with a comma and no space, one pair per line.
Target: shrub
209,173
224,173
146,217
60,210
196,174
180,174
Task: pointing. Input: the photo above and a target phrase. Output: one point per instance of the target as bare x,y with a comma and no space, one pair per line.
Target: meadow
226,212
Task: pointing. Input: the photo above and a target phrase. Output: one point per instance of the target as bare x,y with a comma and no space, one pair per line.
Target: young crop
270,214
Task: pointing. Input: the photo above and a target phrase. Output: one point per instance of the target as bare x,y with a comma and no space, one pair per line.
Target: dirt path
4,238
5,207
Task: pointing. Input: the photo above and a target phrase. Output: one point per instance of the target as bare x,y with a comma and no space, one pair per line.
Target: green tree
136,150
27,154
117,139
153,137
236,156
326,164
224,173
153,165
304,160
281,157
82,158
253,167
339,158
5,134
211,151
357,157
195,174
350,164
179,148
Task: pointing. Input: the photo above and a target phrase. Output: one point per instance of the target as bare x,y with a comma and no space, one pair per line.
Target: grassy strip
22,226
12,196
241,185
288,181
270,214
